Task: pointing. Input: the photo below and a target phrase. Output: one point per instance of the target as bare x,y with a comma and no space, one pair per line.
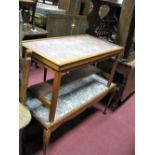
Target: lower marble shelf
72,97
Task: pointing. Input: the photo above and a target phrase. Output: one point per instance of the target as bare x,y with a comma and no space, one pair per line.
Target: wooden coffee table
74,87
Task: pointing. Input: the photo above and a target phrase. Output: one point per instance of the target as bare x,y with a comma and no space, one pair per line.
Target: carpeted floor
91,133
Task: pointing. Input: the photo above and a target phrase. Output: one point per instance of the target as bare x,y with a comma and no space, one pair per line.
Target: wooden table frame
58,71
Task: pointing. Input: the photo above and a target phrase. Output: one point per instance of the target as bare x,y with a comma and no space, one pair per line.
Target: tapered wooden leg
55,94
109,101
46,138
45,74
113,71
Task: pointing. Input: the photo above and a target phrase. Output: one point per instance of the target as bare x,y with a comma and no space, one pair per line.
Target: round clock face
103,11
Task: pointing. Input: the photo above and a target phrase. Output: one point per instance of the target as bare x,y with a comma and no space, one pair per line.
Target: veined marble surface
71,97
63,50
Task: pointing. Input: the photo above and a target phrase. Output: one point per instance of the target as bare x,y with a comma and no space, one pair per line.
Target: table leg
46,138
109,101
113,71
45,74
55,93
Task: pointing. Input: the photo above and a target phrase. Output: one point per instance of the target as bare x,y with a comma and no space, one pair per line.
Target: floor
91,133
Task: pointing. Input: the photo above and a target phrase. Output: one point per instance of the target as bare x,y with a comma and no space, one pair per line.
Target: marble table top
70,49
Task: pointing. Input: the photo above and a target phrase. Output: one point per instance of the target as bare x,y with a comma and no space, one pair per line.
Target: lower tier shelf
72,97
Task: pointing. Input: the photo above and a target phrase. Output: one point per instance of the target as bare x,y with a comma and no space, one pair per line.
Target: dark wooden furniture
65,24
124,77
126,29
124,36
29,34
73,89
78,7
29,4
129,75
103,18
117,26
59,20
